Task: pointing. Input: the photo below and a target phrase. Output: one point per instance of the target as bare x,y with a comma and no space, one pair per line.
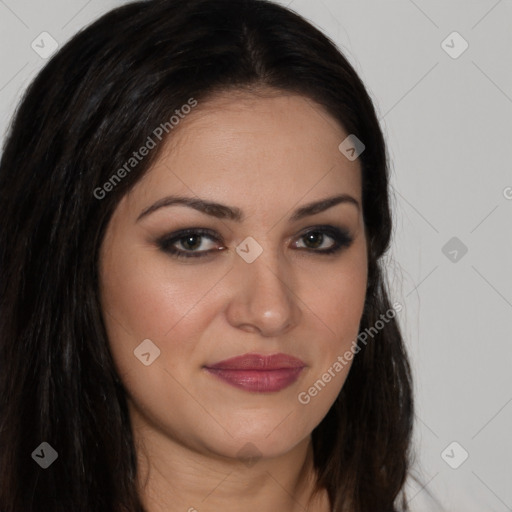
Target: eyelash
340,237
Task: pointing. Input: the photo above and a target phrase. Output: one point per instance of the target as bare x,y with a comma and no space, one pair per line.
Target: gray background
448,124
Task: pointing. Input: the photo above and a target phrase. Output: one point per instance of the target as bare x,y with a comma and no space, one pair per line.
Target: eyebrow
222,211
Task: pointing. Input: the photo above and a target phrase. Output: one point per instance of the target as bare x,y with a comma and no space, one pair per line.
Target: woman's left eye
317,239
190,243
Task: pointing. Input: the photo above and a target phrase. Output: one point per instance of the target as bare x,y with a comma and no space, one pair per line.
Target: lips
258,373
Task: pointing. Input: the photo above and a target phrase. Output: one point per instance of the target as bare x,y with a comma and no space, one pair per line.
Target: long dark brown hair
94,104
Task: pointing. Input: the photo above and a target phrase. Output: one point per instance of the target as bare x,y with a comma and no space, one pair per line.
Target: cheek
335,293
335,298
173,310
144,297
338,302
149,298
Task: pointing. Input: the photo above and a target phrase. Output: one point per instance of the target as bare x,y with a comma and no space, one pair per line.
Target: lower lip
259,381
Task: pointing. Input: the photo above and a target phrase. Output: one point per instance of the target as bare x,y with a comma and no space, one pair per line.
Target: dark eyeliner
341,237
166,243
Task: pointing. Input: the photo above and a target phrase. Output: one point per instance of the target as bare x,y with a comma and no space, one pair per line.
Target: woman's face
259,273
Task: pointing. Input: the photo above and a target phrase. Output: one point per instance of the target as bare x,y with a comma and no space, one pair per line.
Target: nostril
249,328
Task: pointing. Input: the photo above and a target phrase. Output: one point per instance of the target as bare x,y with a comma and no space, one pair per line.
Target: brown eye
325,240
314,239
190,243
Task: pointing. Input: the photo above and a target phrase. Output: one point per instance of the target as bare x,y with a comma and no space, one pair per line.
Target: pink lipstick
258,373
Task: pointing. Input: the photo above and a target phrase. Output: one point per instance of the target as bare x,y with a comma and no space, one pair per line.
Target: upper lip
258,362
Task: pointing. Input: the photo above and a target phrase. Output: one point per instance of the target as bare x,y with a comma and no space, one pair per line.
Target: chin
255,440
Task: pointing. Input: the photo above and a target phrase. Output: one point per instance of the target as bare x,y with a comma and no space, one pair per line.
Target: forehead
273,148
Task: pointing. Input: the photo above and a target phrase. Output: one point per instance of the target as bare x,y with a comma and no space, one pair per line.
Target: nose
263,299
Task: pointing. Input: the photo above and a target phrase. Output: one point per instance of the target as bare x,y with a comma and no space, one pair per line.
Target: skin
267,155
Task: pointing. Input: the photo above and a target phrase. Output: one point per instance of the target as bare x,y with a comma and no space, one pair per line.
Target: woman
195,207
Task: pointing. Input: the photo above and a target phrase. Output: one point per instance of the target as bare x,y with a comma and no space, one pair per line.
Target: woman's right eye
189,243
